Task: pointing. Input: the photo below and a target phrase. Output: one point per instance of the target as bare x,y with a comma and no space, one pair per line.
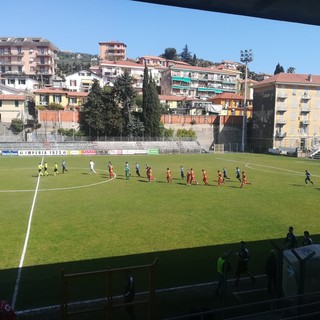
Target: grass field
81,222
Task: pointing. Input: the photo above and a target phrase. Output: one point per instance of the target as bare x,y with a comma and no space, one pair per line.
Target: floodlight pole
246,56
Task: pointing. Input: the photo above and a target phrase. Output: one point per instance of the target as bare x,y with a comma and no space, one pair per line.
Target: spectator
290,242
271,272
243,255
223,266
129,292
306,241
6,312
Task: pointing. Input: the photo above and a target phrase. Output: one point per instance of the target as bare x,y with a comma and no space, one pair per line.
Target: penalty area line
16,288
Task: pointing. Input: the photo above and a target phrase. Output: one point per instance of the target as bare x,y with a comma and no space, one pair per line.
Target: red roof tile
176,98
291,78
77,94
121,63
12,97
228,96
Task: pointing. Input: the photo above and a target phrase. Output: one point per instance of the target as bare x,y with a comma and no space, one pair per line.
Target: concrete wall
204,132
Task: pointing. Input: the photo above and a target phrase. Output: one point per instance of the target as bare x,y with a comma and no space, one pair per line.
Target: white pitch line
16,288
64,188
252,165
18,279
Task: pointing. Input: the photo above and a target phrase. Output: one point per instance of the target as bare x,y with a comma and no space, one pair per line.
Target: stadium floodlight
246,56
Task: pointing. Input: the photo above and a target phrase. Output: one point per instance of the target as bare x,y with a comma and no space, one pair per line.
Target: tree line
110,110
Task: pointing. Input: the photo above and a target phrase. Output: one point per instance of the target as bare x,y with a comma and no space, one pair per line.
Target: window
57,98
16,103
73,83
73,100
0,103
11,81
22,81
294,91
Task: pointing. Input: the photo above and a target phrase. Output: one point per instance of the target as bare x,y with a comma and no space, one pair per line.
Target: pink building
112,50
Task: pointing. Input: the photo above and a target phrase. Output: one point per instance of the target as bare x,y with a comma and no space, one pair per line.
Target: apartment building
112,50
286,113
81,81
203,83
27,57
110,70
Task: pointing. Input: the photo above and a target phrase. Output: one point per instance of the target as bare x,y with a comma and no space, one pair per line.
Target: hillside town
278,113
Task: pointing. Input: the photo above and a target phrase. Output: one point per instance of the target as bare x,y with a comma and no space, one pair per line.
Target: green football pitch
81,222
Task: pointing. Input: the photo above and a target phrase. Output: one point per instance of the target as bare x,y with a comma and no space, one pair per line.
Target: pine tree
156,107
91,120
185,55
278,69
113,118
124,94
150,106
146,107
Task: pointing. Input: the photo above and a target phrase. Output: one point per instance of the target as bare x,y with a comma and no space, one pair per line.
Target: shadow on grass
40,285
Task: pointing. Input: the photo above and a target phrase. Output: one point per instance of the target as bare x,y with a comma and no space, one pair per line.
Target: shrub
55,106
16,125
184,133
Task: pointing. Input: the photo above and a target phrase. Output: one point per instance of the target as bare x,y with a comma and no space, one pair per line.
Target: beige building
33,57
13,106
112,50
199,82
286,113
110,70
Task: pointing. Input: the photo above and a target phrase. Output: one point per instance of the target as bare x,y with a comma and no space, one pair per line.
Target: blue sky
147,29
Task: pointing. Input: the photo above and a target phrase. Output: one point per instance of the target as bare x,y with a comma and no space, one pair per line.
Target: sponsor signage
9,152
115,152
127,151
89,152
43,152
153,151
74,152
140,151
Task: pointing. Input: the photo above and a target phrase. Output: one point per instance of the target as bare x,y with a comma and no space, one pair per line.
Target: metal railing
297,307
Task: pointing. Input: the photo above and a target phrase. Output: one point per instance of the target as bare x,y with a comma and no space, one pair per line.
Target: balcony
305,96
175,86
281,135
5,53
305,109
43,63
281,122
43,54
282,95
304,122
11,63
282,109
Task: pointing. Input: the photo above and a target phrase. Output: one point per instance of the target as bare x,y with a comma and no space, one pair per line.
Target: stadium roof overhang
300,11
